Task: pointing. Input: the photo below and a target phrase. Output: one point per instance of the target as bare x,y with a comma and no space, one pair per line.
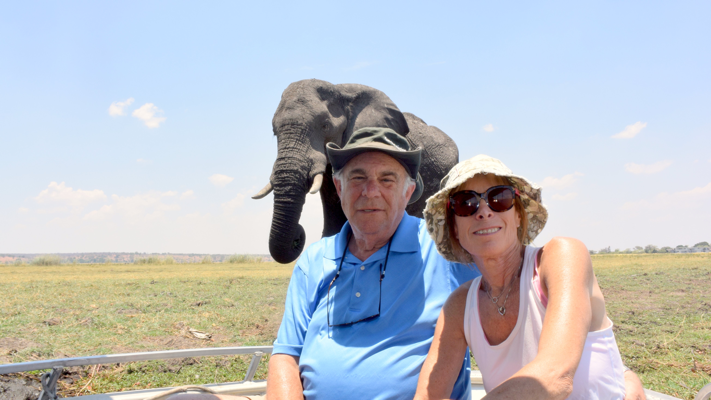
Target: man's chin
369,224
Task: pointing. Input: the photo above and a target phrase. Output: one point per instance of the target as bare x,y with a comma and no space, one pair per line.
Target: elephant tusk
262,193
316,186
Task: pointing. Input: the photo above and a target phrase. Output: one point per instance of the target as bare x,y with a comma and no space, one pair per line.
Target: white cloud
220,180
188,194
134,209
116,108
565,181
565,197
232,205
195,215
147,114
360,65
54,210
142,161
23,210
630,131
60,193
693,199
647,169
488,128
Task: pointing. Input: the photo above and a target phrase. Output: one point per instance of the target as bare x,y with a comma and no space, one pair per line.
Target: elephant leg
333,216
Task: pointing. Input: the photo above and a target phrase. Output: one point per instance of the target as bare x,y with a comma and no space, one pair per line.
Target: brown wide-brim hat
436,208
384,140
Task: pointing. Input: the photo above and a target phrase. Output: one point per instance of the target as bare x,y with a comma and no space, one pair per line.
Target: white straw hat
436,209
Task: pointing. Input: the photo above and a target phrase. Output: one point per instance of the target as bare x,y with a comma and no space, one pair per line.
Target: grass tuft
47,260
243,259
149,261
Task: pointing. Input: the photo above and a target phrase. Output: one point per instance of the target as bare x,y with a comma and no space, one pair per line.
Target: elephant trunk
290,179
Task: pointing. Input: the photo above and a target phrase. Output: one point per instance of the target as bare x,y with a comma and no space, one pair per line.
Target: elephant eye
325,126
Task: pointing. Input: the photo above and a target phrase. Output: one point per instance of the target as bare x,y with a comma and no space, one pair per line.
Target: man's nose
371,188
484,212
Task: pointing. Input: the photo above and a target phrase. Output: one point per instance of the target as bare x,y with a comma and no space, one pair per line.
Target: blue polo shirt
379,358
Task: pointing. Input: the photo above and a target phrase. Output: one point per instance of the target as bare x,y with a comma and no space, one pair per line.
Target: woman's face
487,233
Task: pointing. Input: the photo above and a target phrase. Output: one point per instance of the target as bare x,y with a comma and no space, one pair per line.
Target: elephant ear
368,107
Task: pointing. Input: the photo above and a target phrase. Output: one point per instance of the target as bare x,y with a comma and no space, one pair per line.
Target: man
362,305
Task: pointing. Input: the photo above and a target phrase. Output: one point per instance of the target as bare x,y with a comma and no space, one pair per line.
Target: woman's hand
444,360
633,387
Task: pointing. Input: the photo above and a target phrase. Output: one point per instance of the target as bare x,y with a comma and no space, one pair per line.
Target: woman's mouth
487,231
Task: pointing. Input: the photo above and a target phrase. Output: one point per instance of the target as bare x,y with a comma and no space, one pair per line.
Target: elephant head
310,114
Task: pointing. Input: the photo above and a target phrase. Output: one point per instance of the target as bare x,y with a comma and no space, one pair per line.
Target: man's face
373,195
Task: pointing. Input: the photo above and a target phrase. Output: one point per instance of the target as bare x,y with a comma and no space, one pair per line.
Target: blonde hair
464,256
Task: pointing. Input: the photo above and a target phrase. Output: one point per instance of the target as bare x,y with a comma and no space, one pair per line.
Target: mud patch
129,311
10,346
14,387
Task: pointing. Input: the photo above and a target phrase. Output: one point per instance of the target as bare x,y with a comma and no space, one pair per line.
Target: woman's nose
484,211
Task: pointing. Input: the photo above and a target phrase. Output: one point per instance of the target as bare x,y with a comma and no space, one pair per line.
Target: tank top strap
471,310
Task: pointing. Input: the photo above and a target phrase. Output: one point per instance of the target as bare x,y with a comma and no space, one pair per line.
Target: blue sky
544,87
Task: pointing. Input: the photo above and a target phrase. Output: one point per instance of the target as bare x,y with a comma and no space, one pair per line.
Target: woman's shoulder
562,248
457,301
564,244
563,256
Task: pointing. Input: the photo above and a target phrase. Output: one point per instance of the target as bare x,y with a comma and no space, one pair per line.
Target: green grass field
660,304
661,307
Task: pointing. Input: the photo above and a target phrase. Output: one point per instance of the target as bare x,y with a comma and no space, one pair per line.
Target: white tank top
599,375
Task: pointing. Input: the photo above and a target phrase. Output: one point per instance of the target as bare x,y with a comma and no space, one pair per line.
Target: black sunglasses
466,202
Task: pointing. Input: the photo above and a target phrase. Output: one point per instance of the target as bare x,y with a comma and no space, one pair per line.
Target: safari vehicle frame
247,387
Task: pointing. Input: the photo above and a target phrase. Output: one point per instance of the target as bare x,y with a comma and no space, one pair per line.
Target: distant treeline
701,247
129,258
166,258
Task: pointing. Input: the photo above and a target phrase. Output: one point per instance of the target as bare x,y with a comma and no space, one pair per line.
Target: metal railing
49,379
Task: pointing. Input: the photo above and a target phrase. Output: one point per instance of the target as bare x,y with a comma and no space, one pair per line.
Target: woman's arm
444,360
566,274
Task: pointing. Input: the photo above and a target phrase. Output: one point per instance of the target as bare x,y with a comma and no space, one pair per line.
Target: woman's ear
456,231
518,219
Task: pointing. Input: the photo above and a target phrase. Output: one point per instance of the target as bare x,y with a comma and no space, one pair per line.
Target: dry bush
47,260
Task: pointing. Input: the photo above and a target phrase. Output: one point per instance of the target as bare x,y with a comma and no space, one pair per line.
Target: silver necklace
502,308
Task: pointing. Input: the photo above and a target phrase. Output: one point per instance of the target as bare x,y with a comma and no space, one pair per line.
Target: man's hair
338,175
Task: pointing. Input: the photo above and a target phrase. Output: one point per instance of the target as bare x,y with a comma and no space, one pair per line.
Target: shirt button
362,267
357,294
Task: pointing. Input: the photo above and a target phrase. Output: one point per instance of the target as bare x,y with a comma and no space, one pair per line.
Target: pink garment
599,374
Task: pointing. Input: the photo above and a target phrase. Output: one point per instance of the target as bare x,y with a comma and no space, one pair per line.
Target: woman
486,215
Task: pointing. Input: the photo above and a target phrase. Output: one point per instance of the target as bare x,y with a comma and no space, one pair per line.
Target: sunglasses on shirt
466,202
338,273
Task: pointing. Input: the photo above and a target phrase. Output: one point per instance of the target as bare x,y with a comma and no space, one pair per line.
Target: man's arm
284,379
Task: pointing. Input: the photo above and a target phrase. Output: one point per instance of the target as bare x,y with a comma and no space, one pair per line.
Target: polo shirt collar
405,240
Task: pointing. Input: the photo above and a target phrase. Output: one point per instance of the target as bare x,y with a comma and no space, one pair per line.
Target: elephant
312,113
